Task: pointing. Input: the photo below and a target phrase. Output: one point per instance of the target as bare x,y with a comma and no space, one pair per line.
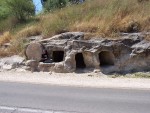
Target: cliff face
69,52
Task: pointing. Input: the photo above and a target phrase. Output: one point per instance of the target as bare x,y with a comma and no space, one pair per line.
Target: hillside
103,18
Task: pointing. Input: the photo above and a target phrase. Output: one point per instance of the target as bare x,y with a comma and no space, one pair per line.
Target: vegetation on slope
100,17
95,17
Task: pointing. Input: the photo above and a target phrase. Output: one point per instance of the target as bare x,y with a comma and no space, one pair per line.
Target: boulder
34,51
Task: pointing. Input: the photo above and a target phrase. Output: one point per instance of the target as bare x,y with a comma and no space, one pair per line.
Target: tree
54,4
21,9
76,1
4,12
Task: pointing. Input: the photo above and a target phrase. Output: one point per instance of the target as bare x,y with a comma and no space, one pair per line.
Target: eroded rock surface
69,52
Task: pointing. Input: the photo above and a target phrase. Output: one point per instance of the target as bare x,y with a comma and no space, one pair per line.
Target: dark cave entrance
106,58
80,64
58,56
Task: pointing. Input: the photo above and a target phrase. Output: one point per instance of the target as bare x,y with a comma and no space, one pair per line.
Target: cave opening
106,58
80,64
58,56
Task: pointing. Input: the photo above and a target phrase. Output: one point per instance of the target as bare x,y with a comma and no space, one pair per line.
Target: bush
21,9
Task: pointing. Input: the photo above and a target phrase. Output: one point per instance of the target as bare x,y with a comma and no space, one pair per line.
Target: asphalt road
79,100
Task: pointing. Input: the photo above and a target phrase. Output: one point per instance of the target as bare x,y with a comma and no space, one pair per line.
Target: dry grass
5,38
17,44
29,31
17,47
4,53
100,17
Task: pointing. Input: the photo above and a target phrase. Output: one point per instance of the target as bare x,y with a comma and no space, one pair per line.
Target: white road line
28,110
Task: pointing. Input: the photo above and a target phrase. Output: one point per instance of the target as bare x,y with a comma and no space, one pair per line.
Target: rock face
69,52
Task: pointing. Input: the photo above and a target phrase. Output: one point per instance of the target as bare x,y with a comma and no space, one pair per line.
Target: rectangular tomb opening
80,64
106,58
58,56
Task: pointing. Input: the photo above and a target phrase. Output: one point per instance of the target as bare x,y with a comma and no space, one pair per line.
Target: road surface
73,99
